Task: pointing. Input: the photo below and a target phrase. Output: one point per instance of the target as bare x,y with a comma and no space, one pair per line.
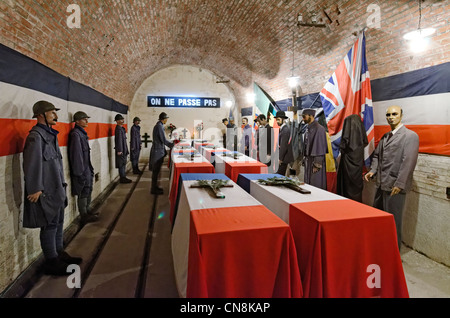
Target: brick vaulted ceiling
121,43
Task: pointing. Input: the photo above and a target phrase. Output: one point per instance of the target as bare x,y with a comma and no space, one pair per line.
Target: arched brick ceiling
121,43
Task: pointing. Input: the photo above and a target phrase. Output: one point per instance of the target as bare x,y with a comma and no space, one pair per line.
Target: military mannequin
158,151
285,155
393,164
45,188
121,147
135,145
81,169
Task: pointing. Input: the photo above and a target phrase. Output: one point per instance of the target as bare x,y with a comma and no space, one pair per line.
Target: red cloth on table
181,167
241,252
336,243
233,169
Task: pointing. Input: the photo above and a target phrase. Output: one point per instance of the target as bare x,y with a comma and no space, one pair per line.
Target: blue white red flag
348,92
255,126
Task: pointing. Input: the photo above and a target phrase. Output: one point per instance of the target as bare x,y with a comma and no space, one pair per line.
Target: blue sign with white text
191,102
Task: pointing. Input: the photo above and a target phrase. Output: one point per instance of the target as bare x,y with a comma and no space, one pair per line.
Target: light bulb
418,39
418,45
293,81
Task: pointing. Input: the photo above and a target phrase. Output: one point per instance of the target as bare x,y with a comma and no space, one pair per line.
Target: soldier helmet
80,115
41,107
309,111
135,119
118,117
162,116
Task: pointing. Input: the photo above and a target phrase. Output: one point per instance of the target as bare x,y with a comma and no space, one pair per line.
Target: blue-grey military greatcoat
81,169
43,171
120,145
135,142
158,150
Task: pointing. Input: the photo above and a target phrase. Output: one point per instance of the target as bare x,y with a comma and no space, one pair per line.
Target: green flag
263,101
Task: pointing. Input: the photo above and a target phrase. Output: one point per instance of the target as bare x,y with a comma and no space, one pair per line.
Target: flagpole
315,99
357,33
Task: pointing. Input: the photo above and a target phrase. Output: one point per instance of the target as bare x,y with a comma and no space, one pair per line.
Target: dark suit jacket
265,136
284,145
394,161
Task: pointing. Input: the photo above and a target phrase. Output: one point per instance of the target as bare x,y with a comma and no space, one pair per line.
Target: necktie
390,136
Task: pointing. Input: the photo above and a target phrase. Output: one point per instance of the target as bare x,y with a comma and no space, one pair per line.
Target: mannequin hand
34,197
368,176
395,190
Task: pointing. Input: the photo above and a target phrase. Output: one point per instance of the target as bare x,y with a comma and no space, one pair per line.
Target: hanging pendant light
418,39
293,80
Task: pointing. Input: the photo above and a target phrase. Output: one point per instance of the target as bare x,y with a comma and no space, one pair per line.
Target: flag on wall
348,92
24,81
424,96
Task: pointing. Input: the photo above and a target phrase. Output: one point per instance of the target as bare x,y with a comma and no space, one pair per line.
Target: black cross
146,139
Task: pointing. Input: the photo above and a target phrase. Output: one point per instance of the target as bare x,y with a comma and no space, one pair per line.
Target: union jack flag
348,92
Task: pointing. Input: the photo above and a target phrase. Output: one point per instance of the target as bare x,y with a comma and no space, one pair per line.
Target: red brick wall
120,44
386,50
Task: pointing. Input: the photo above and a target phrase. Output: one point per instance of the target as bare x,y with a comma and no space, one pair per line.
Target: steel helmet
80,115
41,107
118,117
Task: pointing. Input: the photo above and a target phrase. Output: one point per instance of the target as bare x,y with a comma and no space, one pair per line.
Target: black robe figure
350,170
316,148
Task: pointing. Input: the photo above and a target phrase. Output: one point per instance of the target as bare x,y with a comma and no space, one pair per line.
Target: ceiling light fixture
418,39
293,80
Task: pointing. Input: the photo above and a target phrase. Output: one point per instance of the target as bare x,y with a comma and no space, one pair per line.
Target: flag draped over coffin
348,92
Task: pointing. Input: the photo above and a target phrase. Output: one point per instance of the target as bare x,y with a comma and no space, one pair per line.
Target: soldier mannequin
81,169
45,189
158,152
285,149
121,147
135,145
315,149
224,135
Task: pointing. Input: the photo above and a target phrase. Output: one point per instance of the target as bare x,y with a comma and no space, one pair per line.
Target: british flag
348,92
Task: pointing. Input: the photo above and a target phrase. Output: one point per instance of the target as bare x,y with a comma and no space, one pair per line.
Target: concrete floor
425,278
127,253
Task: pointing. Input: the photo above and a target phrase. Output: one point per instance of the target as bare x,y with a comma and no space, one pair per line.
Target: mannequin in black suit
284,146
